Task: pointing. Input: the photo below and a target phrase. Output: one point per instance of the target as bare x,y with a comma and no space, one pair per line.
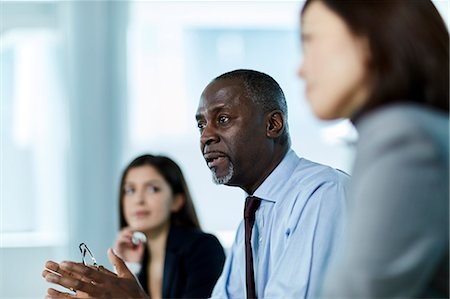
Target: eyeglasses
85,250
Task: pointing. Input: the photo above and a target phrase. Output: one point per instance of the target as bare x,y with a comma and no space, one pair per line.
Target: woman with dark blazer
174,259
385,65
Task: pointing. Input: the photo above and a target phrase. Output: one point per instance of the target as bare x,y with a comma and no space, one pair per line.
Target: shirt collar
270,189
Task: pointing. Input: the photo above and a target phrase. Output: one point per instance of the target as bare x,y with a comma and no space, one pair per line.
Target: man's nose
208,136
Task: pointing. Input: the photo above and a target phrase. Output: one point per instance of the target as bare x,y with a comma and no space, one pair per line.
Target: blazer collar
177,238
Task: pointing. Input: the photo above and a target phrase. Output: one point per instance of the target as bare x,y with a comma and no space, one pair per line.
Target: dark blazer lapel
169,272
175,241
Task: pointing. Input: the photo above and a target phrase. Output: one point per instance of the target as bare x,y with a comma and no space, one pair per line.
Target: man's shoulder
311,178
311,172
297,178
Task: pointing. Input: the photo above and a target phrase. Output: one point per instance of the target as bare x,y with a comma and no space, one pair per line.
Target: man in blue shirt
242,117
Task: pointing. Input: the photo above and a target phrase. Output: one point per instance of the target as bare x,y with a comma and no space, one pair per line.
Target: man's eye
223,119
200,125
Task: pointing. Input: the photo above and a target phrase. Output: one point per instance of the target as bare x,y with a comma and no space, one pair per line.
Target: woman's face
335,64
148,199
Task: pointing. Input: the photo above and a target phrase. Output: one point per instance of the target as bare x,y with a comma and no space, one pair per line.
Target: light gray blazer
397,242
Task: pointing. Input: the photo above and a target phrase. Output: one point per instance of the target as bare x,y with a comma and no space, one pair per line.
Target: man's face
233,136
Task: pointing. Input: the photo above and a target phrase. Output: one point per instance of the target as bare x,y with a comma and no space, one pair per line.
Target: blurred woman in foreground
385,65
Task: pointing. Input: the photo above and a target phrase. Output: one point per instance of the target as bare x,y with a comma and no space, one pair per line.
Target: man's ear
274,124
178,202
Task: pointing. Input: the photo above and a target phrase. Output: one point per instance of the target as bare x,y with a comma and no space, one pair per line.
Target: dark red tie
251,205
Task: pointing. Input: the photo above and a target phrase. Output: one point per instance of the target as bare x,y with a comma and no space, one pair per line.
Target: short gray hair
263,90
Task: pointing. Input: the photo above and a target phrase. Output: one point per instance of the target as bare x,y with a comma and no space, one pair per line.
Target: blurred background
86,86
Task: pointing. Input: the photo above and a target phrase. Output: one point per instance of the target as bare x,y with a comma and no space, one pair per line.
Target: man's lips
214,158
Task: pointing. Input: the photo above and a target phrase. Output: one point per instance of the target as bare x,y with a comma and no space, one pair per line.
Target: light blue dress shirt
297,229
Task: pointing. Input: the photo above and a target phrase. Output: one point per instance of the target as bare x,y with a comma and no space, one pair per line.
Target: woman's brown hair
409,49
171,172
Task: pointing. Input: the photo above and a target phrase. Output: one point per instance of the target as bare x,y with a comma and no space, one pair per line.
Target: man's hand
90,282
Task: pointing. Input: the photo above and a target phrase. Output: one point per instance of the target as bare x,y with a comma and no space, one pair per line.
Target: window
34,132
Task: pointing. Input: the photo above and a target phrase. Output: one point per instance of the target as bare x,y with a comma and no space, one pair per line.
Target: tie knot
251,205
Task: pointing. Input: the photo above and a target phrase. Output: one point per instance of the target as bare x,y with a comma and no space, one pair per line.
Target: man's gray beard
224,179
